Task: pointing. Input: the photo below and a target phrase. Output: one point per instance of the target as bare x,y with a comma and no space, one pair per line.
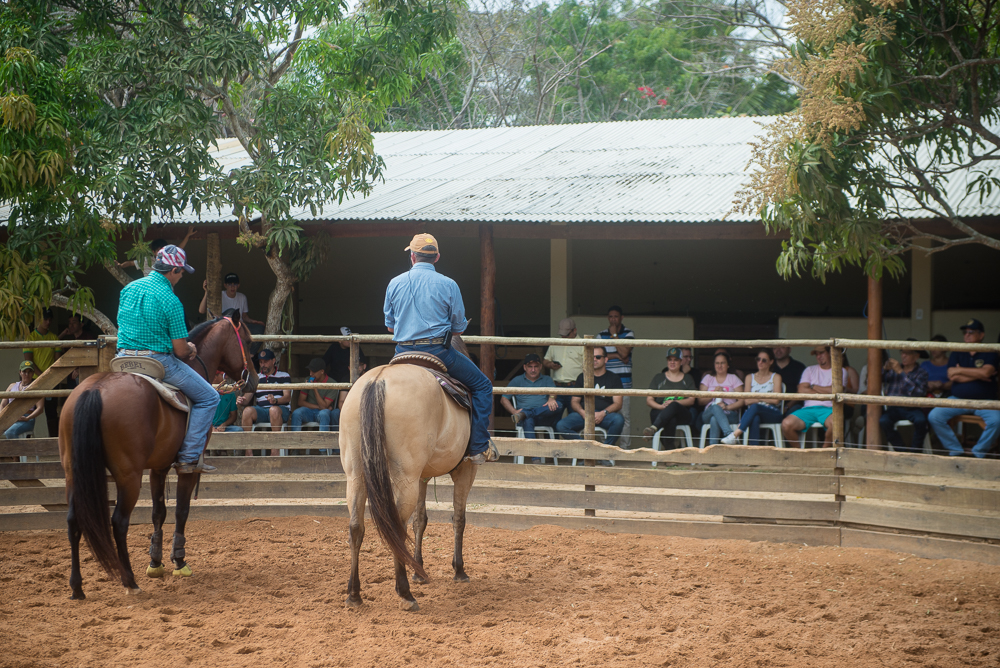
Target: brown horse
119,422
398,429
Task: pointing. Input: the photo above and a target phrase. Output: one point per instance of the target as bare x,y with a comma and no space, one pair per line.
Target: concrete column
560,283
921,287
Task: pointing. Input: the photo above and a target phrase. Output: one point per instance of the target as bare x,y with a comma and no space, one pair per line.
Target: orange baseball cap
423,243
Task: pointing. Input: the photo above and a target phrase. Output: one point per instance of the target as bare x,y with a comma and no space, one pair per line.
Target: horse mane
199,332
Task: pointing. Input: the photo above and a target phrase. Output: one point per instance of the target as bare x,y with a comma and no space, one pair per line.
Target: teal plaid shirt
150,315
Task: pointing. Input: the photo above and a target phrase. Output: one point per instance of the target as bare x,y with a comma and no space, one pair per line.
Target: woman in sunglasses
760,410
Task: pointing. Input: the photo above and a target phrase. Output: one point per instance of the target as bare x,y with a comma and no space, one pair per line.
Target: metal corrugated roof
659,171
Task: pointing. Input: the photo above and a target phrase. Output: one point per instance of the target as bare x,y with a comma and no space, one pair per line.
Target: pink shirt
816,375
731,384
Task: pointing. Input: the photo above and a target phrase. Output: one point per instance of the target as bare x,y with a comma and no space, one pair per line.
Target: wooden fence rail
926,505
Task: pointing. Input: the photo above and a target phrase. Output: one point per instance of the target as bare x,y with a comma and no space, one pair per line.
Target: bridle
238,385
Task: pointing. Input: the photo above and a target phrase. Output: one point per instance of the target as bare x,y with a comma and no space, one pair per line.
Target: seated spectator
565,362
816,379
270,405
736,372
857,414
338,358
231,299
225,413
668,412
938,383
607,409
904,379
972,376
533,410
317,405
26,423
759,410
721,413
154,247
790,370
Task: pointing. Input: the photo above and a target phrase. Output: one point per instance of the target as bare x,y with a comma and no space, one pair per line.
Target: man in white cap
565,362
423,309
151,324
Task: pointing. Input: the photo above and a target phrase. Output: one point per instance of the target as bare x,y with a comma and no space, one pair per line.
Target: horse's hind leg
157,485
406,501
128,494
419,525
463,478
75,578
185,487
356,498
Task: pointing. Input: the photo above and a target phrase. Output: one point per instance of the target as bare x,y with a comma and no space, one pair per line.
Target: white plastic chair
602,435
682,428
802,436
538,430
266,426
28,434
773,427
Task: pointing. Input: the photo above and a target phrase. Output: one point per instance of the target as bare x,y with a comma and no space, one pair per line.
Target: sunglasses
763,359
599,357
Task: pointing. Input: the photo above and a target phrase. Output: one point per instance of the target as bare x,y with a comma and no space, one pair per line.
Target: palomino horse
398,429
119,422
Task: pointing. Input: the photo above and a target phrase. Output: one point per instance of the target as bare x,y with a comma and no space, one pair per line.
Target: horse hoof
157,572
351,603
78,596
416,579
461,578
184,572
409,606
132,591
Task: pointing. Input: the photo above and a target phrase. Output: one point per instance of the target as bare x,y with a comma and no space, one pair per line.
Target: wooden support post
487,300
213,274
105,353
355,360
837,369
588,409
872,429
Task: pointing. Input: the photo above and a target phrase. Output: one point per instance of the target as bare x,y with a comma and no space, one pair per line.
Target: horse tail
89,497
378,483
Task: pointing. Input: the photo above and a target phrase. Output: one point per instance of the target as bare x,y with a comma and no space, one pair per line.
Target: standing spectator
790,370
26,423
607,409
938,383
317,405
972,376
532,409
620,362
231,299
565,362
270,405
721,413
668,412
816,379
904,379
338,358
759,410
154,247
42,359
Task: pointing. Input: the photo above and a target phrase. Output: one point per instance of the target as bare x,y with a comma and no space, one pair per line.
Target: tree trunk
117,272
284,280
96,316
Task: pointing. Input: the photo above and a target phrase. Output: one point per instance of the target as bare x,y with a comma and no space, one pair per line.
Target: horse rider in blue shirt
151,324
423,309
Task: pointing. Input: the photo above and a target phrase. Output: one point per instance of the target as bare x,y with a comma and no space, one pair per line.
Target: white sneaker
729,440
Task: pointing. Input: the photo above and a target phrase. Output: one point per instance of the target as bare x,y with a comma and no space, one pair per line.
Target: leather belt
125,352
422,342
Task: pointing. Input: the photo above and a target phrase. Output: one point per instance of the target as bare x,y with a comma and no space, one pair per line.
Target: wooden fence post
837,369
874,412
589,432
355,360
105,353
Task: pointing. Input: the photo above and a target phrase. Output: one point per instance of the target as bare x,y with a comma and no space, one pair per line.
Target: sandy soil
271,593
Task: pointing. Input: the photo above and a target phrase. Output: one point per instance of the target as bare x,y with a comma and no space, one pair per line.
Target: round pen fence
928,505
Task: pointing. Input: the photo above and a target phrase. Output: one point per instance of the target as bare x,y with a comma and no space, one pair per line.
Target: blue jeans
894,414
939,421
326,417
205,399
720,421
754,415
539,416
612,422
18,428
462,369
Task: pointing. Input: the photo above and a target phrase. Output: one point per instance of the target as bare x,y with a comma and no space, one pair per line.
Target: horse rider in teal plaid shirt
151,324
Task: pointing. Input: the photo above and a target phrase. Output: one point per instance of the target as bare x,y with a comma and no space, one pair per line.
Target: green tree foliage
512,63
899,99
156,83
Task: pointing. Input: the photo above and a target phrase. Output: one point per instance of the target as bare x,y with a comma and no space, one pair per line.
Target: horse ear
237,314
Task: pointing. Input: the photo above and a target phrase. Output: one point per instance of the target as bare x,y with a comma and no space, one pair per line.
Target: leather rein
237,385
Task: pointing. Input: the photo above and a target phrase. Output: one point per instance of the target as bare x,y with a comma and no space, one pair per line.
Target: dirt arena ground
271,593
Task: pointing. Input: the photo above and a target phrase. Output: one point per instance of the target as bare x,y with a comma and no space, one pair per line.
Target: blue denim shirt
423,304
